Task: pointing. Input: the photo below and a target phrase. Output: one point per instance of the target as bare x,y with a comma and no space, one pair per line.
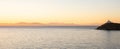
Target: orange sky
58,12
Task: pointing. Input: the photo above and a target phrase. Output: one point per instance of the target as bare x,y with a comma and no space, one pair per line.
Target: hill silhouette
109,26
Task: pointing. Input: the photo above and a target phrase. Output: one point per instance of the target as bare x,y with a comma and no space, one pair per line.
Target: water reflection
58,38
112,40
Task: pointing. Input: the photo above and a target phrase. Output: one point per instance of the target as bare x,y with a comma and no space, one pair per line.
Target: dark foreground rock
109,26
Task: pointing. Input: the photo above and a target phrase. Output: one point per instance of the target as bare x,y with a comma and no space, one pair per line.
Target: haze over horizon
58,12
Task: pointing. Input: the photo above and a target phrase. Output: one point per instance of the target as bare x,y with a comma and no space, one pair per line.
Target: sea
58,37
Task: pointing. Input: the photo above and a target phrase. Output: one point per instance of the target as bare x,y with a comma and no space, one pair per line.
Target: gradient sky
81,12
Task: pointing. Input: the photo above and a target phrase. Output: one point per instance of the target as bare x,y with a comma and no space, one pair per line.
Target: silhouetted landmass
109,26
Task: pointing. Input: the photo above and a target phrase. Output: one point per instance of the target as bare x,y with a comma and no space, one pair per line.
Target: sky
58,12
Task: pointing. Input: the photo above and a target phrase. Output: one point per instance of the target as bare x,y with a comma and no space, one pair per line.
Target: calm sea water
58,38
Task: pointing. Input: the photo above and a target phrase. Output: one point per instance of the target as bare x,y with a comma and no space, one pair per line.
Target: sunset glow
58,12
